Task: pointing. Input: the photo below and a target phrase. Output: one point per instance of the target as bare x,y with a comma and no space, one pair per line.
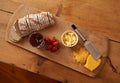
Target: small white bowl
65,33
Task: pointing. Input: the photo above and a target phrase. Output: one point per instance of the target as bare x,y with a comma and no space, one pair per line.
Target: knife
88,44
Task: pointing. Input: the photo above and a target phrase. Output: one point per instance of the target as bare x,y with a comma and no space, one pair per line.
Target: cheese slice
81,55
91,63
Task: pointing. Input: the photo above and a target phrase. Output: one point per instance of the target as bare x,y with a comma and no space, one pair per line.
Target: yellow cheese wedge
91,63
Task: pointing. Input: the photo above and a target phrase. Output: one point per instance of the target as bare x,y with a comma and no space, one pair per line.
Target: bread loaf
29,23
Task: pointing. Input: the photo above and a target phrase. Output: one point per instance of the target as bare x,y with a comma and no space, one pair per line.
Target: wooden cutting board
64,55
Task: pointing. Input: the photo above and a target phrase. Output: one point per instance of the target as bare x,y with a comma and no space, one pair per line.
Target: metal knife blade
88,45
92,50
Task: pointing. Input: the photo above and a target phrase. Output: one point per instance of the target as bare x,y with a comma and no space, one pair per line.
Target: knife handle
79,33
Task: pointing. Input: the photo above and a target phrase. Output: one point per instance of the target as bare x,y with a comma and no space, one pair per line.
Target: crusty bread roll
29,23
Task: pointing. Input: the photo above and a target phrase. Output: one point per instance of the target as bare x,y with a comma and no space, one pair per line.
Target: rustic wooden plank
46,67
3,22
11,5
60,72
115,56
46,5
99,16
12,74
8,5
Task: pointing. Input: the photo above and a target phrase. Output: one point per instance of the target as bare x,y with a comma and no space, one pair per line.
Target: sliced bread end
14,36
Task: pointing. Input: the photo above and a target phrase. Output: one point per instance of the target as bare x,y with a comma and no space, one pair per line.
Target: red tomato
52,39
55,43
49,47
54,49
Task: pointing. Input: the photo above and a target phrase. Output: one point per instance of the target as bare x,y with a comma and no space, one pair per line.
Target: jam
37,40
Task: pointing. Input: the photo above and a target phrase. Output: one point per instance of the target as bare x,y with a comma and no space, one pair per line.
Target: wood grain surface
99,16
12,74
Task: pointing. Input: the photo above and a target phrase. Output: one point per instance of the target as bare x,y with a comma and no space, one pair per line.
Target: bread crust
30,23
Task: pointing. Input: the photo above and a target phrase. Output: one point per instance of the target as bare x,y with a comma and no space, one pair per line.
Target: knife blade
88,44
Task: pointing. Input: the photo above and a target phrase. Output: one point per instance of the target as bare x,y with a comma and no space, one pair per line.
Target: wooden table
100,16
